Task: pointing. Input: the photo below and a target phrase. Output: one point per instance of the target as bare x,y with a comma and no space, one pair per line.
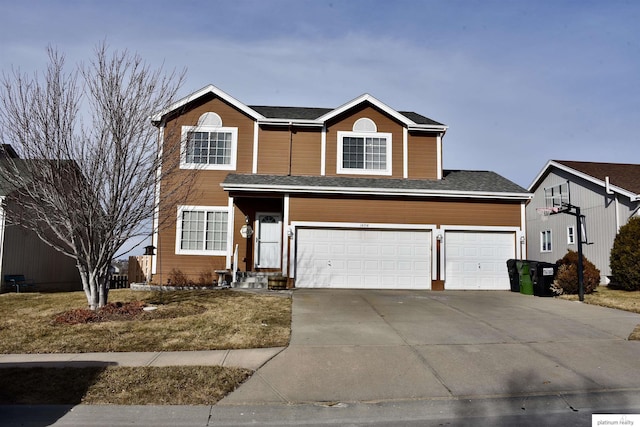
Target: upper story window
571,235
209,145
545,241
364,150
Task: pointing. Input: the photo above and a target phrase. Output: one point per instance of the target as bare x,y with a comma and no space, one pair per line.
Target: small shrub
206,278
625,257
178,278
567,278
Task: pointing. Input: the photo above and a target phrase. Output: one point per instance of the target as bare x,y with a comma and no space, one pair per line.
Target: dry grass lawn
613,298
173,385
184,320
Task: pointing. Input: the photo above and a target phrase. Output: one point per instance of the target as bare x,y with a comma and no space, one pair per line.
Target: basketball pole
580,267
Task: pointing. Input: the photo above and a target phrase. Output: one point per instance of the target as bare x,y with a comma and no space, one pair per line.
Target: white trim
209,166
323,151
157,117
405,153
542,250
571,235
599,182
375,191
256,131
385,108
230,225
361,225
439,156
521,247
353,171
181,209
156,210
503,229
285,236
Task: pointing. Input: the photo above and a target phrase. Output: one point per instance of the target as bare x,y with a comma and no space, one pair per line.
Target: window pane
364,153
209,148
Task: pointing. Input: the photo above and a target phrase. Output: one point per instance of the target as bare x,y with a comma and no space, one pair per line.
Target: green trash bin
526,284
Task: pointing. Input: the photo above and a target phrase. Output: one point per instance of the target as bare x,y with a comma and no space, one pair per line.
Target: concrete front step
253,280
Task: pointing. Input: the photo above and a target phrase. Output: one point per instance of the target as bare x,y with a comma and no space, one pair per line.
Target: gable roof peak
160,115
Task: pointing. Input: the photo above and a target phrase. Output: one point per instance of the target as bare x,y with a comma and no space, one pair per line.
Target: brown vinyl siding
415,211
423,156
384,124
306,152
206,190
273,150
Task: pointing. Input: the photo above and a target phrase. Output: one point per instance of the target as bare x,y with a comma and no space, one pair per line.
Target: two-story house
348,197
608,195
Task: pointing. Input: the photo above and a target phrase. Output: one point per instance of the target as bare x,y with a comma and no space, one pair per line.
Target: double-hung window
545,241
366,153
202,230
209,147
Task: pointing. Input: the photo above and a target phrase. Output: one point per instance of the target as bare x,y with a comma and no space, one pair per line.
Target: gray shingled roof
305,113
454,181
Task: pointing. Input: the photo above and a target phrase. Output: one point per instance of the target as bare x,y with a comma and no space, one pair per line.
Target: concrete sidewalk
249,359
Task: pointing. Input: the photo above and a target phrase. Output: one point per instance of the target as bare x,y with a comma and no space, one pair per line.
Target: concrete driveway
381,345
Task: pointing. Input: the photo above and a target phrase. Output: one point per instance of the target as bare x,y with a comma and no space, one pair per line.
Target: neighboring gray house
608,194
23,253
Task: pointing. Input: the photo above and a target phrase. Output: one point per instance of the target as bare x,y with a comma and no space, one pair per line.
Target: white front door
268,240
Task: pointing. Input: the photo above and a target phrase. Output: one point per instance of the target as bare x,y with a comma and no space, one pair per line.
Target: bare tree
91,163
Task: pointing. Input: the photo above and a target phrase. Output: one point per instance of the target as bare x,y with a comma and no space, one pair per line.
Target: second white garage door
374,259
478,260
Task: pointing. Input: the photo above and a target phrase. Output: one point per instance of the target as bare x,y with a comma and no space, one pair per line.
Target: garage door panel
477,260
371,258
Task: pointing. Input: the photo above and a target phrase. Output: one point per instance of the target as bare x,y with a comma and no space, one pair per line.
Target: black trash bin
514,276
542,275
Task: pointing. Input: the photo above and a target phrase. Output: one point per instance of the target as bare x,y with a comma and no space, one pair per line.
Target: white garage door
374,259
478,260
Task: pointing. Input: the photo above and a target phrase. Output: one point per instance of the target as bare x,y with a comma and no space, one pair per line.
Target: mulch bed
111,311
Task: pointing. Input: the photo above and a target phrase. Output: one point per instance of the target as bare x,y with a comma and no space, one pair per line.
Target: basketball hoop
546,212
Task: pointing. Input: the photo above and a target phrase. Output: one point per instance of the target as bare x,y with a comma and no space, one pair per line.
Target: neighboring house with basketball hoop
606,195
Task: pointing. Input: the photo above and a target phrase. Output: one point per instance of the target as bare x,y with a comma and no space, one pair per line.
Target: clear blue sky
517,82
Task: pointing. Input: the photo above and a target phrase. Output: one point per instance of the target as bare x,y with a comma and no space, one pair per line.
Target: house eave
599,182
250,188
157,118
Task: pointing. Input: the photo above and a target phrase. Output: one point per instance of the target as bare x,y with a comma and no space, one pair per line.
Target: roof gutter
375,191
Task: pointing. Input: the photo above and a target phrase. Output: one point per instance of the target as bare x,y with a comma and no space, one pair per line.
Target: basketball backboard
558,198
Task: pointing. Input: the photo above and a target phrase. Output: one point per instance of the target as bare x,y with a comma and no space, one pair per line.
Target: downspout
2,228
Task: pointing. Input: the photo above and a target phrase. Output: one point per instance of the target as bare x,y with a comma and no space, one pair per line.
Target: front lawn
183,320
613,298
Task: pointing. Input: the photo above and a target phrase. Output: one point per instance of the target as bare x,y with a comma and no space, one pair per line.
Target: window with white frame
202,230
545,241
364,150
571,235
209,145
